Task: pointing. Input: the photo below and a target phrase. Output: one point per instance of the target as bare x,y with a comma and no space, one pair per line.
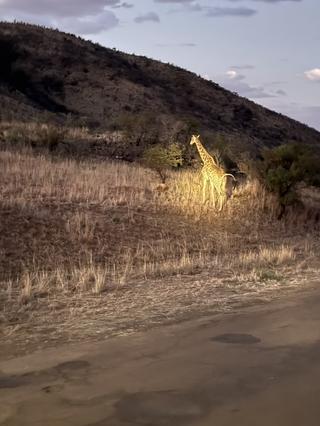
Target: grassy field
93,247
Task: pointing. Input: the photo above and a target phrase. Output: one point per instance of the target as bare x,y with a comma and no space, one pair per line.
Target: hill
57,76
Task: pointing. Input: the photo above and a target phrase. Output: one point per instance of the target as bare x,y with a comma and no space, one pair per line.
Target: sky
265,50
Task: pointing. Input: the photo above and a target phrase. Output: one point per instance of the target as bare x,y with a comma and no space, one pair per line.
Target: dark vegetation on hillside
58,77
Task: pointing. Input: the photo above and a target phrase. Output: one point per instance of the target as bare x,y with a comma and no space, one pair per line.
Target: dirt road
259,367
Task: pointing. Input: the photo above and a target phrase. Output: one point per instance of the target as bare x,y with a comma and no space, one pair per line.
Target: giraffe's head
194,139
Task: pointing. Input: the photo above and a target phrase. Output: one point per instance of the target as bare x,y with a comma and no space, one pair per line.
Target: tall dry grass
93,278
24,134
28,180
106,224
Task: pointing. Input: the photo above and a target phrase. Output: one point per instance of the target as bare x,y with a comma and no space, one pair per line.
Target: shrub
10,71
161,158
284,167
50,137
52,82
8,56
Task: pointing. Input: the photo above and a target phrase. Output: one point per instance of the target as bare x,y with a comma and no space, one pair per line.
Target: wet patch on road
10,382
68,371
71,369
52,388
236,338
161,408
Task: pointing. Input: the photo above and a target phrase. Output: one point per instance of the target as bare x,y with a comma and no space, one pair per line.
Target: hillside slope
48,73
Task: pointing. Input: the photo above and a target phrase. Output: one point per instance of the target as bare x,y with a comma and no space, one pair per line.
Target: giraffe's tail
229,174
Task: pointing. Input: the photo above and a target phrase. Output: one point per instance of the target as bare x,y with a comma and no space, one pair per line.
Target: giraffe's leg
213,193
203,176
224,198
220,202
222,194
218,196
204,190
218,193
207,186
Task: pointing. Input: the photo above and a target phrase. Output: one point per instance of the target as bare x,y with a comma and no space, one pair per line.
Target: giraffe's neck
204,155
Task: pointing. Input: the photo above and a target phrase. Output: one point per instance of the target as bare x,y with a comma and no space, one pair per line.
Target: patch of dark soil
238,338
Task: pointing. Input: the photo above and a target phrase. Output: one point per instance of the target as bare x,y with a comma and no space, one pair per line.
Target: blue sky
266,50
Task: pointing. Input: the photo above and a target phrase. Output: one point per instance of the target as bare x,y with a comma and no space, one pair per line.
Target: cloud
218,12
234,81
187,44
313,75
174,1
190,5
276,82
252,92
242,67
77,16
281,92
234,75
210,11
58,8
150,16
125,5
270,1
176,44
89,24
194,7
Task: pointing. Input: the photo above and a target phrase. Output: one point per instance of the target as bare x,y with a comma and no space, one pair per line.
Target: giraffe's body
212,174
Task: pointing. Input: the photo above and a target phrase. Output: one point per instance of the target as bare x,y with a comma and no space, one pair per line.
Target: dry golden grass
72,231
268,256
100,203
29,181
15,132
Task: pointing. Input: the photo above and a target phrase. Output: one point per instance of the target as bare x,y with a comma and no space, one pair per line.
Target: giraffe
212,173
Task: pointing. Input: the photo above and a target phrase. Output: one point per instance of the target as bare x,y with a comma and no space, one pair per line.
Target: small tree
160,159
284,167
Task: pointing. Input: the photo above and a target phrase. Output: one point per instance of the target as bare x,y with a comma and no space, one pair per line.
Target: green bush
284,167
160,159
